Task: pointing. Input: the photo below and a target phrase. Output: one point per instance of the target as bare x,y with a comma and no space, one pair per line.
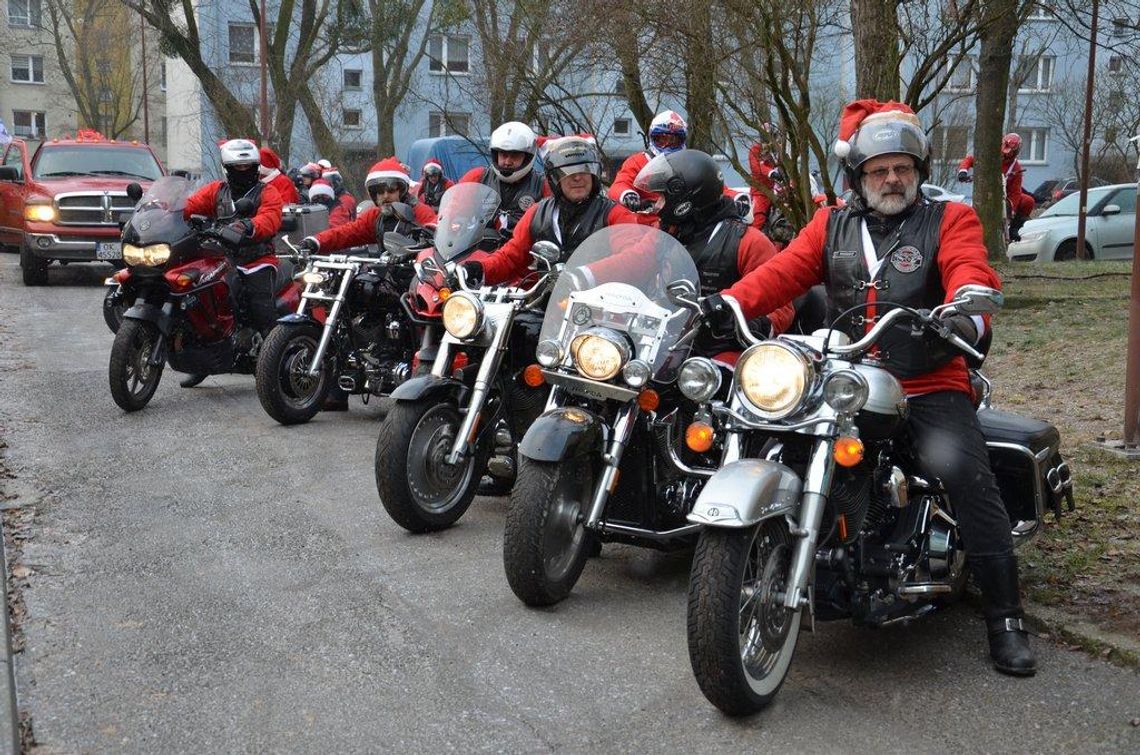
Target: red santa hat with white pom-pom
861,112
321,188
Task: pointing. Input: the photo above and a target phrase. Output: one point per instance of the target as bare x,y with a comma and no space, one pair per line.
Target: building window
23,12
352,79
243,44
28,69
448,53
448,124
162,76
1041,12
1034,144
28,124
351,119
949,144
964,78
1120,27
619,86
621,127
1040,75
162,134
1115,63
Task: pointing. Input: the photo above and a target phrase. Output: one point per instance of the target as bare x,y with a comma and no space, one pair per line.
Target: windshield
617,279
464,212
158,215
88,160
1071,204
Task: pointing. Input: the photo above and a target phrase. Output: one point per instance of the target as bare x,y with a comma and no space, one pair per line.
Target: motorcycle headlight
774,378
698,379
845,391
39,213
549,353
313,277
636,373
462,315
599,353
151,255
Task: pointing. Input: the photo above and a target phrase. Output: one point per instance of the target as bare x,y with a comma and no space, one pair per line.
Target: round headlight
313,277
462,316
598,354
635,373
549,353
132,255
845,391
773,378
698,379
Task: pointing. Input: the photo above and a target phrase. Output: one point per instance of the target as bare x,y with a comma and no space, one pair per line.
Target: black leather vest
592,218
224,208
432,193
516,198
908,276
717,256
389,223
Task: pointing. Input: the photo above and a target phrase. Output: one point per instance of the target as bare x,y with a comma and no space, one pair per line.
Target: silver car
1052,236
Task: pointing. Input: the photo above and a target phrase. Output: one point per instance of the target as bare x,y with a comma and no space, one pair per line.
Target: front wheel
419,489
286,390
133,378
546,543
741,637
113,309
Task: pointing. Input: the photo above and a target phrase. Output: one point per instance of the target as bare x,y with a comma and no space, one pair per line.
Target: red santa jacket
266,221
1013,172
343,210
755,249
761,169
363,230
961,260
285,189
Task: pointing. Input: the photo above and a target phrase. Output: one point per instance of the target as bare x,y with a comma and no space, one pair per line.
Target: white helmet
239,152
513,137
325,164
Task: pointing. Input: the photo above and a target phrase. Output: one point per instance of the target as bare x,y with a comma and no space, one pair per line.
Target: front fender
563,433
745,492
295,319
149,313
429,386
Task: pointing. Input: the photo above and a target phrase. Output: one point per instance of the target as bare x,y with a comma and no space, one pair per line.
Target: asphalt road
202,579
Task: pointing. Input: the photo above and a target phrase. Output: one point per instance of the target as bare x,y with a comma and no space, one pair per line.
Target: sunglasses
387,188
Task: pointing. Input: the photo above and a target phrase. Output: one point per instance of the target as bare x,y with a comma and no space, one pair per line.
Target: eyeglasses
902,171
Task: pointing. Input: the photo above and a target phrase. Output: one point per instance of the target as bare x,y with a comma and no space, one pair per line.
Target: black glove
964,176
243,226
761,326
718,317
473,272
964,327
632,200
309,245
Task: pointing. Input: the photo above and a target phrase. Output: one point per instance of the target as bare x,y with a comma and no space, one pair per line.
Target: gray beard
891,204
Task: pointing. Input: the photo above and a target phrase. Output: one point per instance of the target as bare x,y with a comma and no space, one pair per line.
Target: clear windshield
158,215
618,278
1071,205
88,160
464,212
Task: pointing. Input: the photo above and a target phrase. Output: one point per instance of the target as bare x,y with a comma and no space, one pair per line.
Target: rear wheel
32,268
741,637
286,390
133,378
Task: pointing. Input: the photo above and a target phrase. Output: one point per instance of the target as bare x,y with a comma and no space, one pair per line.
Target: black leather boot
1009,639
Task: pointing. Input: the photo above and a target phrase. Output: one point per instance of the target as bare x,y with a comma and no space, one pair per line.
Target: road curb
9,717
1110,646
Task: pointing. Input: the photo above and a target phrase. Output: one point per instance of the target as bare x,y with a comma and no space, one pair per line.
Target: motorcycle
440,435
600,464
818,506
180,283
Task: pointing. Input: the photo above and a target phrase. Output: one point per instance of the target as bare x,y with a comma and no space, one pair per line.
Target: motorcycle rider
307,173
321,192
923,252
511,174
694,210
667,134
575,210
345,201
270,173
433,184
1020,203
764,165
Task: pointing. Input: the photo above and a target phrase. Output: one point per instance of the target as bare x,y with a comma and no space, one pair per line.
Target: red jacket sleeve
473,176
787,275
202,202
356,233
755,249
623,182
1013,183
967,163
509,262
425,215
267,220
285,189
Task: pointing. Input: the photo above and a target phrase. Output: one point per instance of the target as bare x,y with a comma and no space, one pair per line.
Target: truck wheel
33,268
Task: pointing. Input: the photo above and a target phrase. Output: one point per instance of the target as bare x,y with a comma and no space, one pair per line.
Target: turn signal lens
121,275
648,400
444,293
848,452
532,376
699,437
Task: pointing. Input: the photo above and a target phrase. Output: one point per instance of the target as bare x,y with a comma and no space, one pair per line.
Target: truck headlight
774,378
151,255
39,213
599,353
462,315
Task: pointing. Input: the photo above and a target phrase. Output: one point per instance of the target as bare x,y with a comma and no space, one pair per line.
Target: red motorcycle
183,309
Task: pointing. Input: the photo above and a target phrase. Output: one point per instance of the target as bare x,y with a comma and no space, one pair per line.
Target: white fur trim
842,148
321,190
380,175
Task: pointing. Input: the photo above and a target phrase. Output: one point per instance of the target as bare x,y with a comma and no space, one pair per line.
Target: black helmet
570,155
886,136
689,182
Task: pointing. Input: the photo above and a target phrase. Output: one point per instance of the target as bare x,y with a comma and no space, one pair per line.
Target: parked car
64,201
1052,236
1055,190
939,194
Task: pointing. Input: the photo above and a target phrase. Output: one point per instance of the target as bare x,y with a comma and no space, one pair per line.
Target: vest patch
906,259
525,201
844,254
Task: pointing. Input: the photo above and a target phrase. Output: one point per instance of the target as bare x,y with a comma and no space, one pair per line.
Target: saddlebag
1025,455
301,220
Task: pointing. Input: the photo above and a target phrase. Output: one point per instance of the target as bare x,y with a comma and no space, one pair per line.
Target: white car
1109,228
938,194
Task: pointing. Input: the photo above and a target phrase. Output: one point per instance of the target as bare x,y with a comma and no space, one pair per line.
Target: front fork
623,430
330,321
817,483
488,368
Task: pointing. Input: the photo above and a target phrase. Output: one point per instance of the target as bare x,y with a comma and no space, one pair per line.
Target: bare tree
875,28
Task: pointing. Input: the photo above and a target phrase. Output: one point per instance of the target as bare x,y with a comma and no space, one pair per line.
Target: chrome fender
745,492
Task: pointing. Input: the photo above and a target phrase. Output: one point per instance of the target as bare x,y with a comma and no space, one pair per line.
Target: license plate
108,250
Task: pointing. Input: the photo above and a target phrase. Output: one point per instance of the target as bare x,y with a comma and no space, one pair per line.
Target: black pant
258,289
948,441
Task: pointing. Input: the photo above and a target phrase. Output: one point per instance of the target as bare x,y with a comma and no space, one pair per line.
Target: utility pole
145,91
1132,368
1083,212
264,82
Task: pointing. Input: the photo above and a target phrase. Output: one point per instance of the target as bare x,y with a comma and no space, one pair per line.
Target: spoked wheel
741,637
286,390
419,489
546,543
133,378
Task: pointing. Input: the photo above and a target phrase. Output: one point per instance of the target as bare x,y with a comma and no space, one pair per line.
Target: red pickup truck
63,202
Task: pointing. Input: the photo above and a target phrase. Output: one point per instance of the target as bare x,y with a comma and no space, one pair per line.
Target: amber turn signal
848,452
699,437
444,293
532,376
648,400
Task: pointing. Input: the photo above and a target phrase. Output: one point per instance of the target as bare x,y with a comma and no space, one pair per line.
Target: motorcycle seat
1004,427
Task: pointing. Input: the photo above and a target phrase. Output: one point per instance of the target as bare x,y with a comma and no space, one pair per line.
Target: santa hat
860,112
324,163
431,161
321,188
330,171
388,169
270,166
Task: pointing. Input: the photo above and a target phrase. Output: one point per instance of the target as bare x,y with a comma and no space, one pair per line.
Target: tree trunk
998,31
701,79
875,26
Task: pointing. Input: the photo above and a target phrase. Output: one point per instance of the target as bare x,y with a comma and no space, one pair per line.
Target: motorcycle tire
113,314
546,544
740,668
419,490
133,380
286,391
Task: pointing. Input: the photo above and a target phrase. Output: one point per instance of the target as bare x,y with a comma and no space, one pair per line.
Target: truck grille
100,208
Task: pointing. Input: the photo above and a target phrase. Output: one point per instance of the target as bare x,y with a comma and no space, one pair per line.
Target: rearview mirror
9,173
399,245
134,191
978,300
403,212
681,291
1110,209
547,251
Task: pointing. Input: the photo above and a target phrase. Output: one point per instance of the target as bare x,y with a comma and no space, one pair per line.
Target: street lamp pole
145,91
264,82
1132,366
1083,211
